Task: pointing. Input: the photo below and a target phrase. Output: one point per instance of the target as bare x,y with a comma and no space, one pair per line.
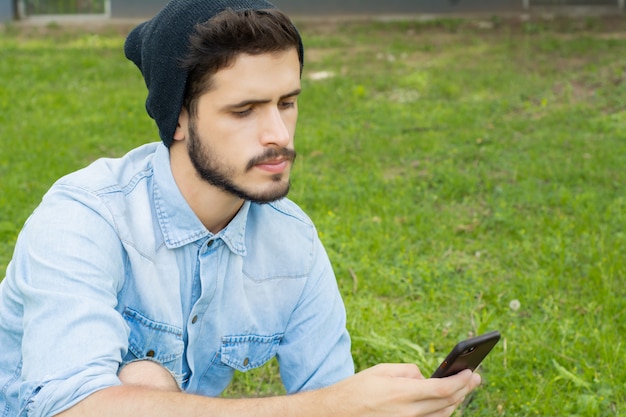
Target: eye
243,113
287,104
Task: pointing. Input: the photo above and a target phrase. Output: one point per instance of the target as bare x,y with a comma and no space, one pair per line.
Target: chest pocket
240,353
154,340
248,352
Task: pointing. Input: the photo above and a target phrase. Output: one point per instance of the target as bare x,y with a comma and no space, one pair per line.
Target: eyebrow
249,102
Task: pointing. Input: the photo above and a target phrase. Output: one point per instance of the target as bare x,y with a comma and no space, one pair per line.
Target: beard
209,169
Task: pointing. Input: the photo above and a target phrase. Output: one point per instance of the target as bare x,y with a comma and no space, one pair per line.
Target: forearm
382,391
122,401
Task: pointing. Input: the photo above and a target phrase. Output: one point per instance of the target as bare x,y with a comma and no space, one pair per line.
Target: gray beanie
158,46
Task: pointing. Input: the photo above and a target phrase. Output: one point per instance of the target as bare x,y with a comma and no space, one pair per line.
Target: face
242,138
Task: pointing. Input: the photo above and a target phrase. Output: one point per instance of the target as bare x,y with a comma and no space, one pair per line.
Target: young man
140,284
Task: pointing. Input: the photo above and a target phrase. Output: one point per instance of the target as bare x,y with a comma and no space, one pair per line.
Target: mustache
272,154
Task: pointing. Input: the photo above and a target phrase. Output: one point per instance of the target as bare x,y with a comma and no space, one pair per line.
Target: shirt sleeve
315,351
68,268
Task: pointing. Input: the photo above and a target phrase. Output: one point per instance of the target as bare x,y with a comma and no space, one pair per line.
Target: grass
464,177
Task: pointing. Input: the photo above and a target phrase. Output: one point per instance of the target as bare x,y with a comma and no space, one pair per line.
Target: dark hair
216,43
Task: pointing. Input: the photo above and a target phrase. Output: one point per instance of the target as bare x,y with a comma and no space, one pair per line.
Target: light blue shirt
114,266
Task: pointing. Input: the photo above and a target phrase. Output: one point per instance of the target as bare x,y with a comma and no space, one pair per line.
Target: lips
273,160
274,166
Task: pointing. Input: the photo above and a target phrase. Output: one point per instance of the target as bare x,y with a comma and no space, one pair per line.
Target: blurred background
140,9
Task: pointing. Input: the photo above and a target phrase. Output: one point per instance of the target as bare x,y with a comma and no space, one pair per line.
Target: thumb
397,370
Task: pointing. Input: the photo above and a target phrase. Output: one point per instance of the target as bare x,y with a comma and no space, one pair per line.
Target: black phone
467,354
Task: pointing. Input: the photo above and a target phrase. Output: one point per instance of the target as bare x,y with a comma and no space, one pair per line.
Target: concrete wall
396,7
143,9
131,9
6,11
147,8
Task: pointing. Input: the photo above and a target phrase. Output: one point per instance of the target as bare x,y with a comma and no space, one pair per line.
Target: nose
276,128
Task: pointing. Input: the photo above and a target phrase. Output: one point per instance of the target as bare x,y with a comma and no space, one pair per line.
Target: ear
183,124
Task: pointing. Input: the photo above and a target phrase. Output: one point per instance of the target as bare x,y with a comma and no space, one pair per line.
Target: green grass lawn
464,177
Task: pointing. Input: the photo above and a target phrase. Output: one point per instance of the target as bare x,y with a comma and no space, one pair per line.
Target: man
140,284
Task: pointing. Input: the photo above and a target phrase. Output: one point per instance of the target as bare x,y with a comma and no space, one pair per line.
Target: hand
400,390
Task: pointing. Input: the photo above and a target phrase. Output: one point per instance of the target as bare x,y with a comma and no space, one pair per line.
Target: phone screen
467,354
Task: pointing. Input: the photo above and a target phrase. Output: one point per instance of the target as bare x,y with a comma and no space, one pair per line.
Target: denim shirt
114,266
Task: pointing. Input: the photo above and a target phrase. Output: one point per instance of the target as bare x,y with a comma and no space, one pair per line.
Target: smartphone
467,354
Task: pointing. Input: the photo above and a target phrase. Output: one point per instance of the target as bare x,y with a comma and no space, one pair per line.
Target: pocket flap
250,351
151,339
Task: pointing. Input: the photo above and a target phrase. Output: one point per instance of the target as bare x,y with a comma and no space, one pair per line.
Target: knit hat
158,46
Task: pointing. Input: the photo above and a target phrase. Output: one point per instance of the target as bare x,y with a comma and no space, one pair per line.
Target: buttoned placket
207,252
205,283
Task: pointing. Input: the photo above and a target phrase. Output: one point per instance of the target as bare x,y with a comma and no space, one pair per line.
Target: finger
462,378
450,389
476,380
444,412
440,405
469,378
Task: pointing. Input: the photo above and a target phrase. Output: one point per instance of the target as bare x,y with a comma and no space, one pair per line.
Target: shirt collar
177,221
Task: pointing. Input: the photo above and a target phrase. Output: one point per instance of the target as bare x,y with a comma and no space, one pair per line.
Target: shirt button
246,361
150,353
194,319
209,244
